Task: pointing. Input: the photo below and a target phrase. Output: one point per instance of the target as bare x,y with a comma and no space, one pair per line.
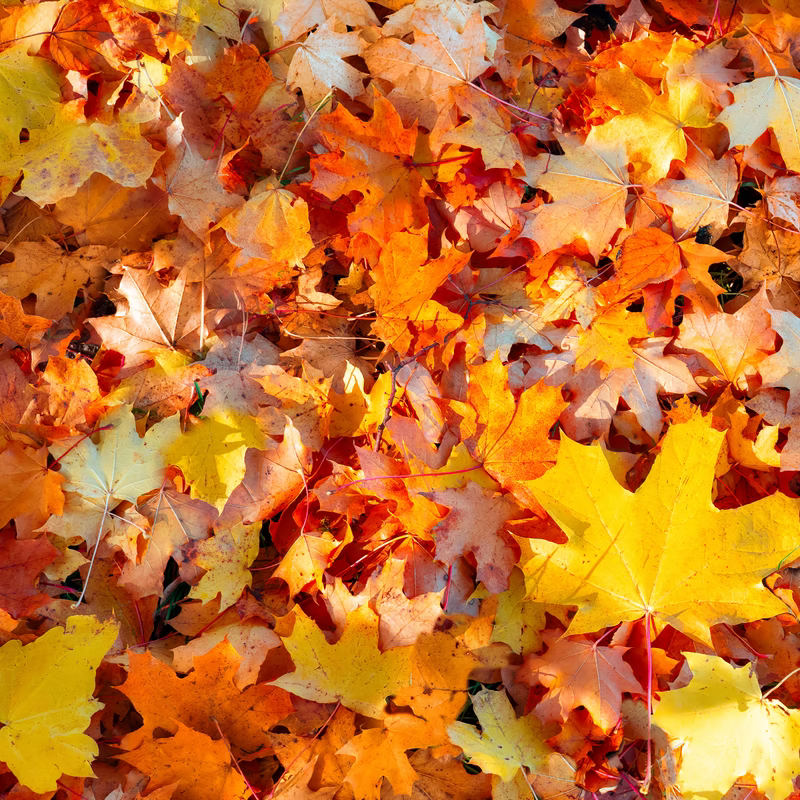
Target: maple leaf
205,698
506,743
18,326
33,79
46,702
493,424
380,753
488,129
21,562
441,58
58,158
326,672
686,574
372,158
150,318
191,184
122,467
302,16
723,711
763,103
733,343
195,766
589,186
212,454
54,275
405,281
318,65
581,673
30,484
272,224
475,525
704,194
109,214
650,126
226,557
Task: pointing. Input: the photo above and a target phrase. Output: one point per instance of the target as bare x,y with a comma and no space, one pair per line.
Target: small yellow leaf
505,742
227,556
353,671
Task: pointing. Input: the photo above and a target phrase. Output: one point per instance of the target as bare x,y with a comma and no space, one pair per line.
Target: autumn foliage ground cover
399,399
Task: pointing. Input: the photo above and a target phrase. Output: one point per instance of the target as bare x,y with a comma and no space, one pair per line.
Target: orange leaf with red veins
204,698
372,158
318,65
733,344
80,36
581,673
21,562
475,525
405,281
199,765
29,485
509,436
91,36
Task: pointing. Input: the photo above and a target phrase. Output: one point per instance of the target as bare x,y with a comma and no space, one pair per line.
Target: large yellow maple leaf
46,702
651,126
663,551
723,720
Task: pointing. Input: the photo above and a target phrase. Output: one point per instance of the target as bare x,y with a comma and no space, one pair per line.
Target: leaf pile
399,399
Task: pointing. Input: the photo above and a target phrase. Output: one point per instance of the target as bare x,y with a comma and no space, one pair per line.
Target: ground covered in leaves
398,399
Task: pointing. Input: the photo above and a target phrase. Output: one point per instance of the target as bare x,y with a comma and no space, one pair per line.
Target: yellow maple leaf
663,551
723,720
769,102
650,125
57,159
211,454
46,702
327,673
226,556
505,743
